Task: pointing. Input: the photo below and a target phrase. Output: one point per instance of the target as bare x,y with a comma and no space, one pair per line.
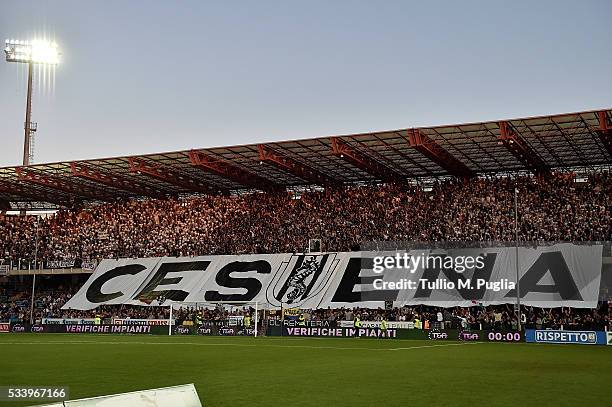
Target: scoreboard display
509,336
476,336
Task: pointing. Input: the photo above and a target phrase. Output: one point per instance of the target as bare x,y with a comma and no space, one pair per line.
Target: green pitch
313,372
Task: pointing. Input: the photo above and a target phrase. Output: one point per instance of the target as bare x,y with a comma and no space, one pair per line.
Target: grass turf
313,372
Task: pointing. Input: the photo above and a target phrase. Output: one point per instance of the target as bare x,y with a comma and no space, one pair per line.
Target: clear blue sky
148,76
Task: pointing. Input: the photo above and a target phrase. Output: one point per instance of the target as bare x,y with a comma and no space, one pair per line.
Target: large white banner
550,276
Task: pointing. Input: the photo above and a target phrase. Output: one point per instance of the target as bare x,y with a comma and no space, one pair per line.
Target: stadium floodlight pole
518,283
170,321
30,52
28,120
34,275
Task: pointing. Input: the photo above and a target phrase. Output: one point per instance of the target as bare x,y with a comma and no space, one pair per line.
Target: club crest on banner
300,278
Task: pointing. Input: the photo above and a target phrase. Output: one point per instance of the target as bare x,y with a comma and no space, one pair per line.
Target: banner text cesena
550,276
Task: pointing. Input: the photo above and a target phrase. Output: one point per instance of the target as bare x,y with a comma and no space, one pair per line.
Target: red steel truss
29,176
365,163
33,194
294,167
605,130
161,173
112,180
231,172
520,148
432,150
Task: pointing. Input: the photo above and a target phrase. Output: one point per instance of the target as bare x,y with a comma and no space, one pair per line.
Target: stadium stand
441,184
552,207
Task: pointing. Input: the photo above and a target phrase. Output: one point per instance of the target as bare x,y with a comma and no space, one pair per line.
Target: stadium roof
535,144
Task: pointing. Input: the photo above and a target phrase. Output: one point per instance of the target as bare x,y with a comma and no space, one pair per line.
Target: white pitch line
237,345
436,346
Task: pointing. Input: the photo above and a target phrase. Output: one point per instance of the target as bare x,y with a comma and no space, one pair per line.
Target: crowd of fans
550,208
48,304
499,317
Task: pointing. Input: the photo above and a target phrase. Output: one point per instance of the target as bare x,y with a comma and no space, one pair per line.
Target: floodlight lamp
36,52
45,52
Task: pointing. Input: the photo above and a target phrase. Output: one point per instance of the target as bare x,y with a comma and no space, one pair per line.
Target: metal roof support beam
159,172
605,131
432,150
293,167
365,163
520,149
232,172
83,171
15,189
57,184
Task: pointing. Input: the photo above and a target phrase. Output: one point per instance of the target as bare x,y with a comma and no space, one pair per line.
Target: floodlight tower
30,52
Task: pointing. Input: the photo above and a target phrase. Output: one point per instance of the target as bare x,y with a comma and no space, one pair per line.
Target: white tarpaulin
550,276
176,396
